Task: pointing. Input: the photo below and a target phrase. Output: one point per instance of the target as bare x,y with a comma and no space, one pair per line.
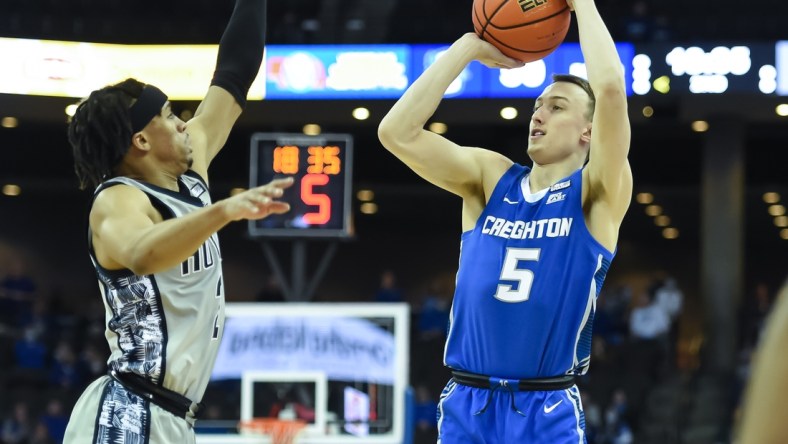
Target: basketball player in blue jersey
152,240
536,242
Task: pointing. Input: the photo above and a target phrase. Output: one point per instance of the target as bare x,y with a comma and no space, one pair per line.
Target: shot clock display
319,199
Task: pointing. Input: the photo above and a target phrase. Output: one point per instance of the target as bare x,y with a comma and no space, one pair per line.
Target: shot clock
320,198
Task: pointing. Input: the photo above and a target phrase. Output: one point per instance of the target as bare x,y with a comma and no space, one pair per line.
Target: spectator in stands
37,319
65,369
638,25
617,427
433,318
755,309
426,414
92,362
55,420
610,320
648,321
670,298
388,291
17,290
30,352
17,427
41,435
593,415
649,326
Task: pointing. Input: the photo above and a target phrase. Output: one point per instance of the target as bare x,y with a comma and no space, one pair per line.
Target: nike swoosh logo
552,407
506,199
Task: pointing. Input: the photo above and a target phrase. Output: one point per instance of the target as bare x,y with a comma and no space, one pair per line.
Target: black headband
147,106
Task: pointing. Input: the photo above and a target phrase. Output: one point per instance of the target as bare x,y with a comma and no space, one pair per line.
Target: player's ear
139,142
586,135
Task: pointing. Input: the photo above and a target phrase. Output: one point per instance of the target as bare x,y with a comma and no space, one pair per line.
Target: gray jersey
166,326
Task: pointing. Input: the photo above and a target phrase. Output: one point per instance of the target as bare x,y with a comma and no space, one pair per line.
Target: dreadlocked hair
100,131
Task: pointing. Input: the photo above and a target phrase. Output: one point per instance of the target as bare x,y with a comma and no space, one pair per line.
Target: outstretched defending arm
238,62
128,233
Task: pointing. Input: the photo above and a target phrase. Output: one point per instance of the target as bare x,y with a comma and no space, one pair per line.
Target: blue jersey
527,284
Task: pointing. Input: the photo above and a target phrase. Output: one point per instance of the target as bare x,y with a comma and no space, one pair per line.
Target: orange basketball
525,30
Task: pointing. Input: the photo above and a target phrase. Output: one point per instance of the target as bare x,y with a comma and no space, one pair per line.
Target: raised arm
128,232
237,64
609,174
433,157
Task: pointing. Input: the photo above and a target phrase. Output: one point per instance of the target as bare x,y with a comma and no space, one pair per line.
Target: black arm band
241,49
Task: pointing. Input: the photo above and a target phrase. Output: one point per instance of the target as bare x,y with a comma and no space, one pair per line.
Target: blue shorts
549,417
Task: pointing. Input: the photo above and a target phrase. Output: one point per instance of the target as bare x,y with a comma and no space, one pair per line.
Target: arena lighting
670,233
700,126
12,190
648,111
645,198
653,210
365,195
777,210
662,221
312,129
662,84
709,71
781,221
784,233
9,122
186,115
771,197
438,127
508,113
768,79
74,69
782,110
383,71
360,113
641,74
369,208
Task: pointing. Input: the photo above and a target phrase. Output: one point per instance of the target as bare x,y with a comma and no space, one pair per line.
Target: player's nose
537,117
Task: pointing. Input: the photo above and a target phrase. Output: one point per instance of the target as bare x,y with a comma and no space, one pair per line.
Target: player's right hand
488,54
259,202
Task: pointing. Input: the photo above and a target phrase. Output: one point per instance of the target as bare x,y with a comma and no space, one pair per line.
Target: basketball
526,30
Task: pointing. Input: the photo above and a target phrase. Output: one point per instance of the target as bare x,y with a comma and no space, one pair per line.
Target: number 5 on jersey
521,291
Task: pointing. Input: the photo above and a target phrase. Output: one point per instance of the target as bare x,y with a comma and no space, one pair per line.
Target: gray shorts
107,413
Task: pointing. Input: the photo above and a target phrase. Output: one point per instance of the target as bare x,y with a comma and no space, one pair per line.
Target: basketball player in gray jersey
152,239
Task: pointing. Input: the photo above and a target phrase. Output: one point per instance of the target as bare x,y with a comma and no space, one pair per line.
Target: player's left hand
489,55
259,202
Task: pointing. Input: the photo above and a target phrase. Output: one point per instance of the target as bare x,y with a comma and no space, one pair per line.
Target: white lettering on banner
367,71
345,348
